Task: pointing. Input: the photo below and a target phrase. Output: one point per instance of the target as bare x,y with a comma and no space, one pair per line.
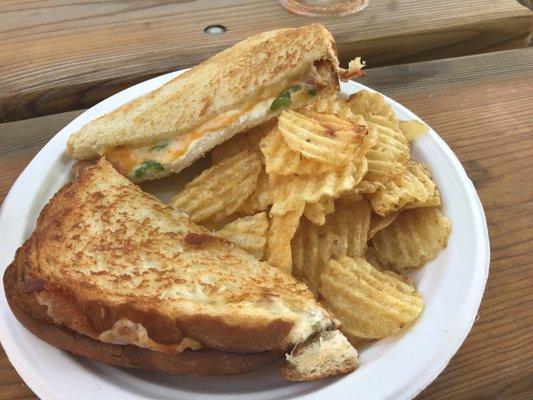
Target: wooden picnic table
58,55
481,106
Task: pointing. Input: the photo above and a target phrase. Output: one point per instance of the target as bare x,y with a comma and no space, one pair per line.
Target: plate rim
430,374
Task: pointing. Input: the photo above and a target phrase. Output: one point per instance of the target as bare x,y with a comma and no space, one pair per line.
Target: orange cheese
126,332
122,158
126,158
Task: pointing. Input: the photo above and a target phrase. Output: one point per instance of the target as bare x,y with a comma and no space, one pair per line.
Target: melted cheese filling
127,158
122,332
125,332
309,321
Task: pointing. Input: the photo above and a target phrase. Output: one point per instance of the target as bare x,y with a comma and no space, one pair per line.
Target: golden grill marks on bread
104,251
201,362
167,129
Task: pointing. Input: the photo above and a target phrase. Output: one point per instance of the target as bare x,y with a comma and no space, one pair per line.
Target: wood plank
489,126
11,386
22,140
481,106
65,55
440,74
488,122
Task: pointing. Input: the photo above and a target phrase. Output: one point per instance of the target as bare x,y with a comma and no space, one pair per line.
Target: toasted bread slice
328,354
167,129
114,264
202,362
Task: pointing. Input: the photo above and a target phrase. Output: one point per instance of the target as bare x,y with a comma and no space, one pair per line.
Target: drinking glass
315,8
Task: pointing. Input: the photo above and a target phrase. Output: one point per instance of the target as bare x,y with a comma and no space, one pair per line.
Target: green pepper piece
311,92
283,100
159,146
148,166
295,88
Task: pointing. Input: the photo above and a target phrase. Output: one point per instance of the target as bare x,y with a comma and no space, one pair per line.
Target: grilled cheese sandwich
166,130
116,265
151,159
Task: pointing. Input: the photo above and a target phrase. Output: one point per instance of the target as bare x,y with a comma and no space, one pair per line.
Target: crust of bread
261,313
203,362
248,71
325,355
288,372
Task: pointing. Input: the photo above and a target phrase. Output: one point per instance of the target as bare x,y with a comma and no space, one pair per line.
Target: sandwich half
34,316
113,274
166,130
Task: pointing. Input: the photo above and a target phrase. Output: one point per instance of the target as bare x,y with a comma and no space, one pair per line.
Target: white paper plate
396,368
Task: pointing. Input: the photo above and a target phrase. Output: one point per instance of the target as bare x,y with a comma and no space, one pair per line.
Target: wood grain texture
20,142
11,386
489,125
481,106
63,55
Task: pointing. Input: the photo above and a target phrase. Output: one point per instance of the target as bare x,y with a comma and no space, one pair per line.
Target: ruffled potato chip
324,138
378,223
260,199
382,121
338,107
249,233
316,212
280,159
281,231
221,190
288,192
361,168
387,157
370,304
414,238
413,188
392,142
413,129
345,232
372,258
367,103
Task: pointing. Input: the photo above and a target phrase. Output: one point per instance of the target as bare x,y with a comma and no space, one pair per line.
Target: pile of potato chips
330,194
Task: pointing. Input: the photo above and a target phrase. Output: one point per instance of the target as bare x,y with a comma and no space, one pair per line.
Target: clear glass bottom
314,8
